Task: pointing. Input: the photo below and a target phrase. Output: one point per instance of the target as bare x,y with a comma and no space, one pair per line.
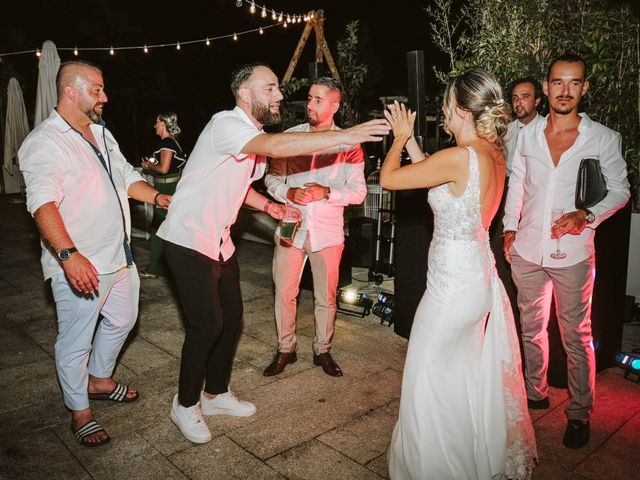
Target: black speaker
306,282
416,90
362,240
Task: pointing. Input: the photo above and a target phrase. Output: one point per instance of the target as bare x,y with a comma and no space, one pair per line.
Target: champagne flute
556,213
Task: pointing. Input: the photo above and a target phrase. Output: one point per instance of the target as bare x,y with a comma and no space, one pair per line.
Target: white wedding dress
463,408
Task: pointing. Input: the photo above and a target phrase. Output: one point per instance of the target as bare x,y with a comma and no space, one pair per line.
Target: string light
282,19
252,8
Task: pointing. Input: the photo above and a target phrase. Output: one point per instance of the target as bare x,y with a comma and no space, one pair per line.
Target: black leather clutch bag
591,186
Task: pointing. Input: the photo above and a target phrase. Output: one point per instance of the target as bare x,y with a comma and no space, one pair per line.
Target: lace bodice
459,218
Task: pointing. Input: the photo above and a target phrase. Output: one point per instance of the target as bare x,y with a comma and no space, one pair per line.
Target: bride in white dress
463,412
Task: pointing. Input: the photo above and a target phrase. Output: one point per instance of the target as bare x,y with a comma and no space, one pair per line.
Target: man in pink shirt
320,185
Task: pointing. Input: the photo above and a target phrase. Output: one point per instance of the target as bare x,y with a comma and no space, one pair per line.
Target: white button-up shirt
213,186
511,138
340,168
60,166
536,186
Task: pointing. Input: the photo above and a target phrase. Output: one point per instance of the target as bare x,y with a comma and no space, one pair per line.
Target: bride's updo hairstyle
478,92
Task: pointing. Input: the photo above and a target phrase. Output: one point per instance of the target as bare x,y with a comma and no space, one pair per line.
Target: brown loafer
281,360
327,363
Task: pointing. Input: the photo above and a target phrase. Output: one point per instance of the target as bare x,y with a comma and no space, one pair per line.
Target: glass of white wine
556,213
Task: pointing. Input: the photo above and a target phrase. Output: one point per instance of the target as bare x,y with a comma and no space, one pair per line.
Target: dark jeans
210,297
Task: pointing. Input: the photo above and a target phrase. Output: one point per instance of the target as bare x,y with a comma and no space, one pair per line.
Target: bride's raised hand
401,120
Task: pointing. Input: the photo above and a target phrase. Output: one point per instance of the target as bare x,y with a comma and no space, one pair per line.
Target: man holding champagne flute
549,242
320,184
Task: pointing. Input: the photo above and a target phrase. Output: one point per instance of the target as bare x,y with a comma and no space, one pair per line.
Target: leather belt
173,179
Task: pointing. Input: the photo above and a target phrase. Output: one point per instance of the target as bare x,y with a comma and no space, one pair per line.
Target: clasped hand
302,196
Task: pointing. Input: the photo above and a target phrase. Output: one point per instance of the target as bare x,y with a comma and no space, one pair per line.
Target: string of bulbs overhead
282,19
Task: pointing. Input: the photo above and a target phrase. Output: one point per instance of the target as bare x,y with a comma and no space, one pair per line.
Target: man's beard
263,114
522,115
94,116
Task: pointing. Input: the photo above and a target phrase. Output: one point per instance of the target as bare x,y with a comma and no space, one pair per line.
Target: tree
514,38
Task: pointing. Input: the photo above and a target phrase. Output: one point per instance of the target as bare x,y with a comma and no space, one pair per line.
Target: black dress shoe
325,361
541,404
281,360
577,434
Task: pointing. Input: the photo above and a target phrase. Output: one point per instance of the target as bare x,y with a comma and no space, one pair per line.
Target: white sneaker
190,422
226,404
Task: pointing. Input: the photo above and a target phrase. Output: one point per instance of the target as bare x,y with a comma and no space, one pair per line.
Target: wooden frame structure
315,22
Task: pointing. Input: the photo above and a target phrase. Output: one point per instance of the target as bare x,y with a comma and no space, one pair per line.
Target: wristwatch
590,216
65,253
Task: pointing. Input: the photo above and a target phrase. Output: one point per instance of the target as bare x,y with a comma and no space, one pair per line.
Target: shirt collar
244,116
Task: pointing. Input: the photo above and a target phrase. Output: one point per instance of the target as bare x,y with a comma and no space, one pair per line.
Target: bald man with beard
78,184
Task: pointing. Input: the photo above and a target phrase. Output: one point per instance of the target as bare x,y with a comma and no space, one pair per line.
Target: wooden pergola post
315,21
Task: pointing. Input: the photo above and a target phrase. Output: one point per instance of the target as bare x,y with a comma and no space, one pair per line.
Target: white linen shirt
536,186
511,138
60,166
213,186
340,168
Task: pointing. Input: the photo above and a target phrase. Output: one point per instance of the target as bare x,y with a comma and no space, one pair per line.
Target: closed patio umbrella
46,97
16,129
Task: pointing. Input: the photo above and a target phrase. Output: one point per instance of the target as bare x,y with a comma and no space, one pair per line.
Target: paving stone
379,465
43,331
128,457
27,384
17,348
617,458
610,414
221,459
39,455
315,461
375,426
49,412
317,415
140,356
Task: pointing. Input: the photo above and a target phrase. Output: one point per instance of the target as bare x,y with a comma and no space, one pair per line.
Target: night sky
194,82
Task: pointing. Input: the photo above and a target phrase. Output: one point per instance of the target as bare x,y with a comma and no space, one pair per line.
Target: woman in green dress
165,165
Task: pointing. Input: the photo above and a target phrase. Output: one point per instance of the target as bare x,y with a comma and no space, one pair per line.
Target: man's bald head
69,73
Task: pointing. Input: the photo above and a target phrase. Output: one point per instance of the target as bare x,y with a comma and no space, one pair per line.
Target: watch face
63,254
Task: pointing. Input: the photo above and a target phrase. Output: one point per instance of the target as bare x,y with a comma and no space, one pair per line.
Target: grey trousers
572,288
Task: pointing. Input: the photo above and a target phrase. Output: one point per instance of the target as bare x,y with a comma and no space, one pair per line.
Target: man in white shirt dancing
228,156
543,179
320,184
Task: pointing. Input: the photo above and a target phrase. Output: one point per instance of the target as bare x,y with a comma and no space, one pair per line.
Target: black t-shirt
179,158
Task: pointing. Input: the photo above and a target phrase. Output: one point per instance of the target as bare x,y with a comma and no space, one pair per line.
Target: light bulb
264,11
178,46
38,53
207,42
112,51
280,17
146,50
75,51
252,9
273,15
235,37
261,31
